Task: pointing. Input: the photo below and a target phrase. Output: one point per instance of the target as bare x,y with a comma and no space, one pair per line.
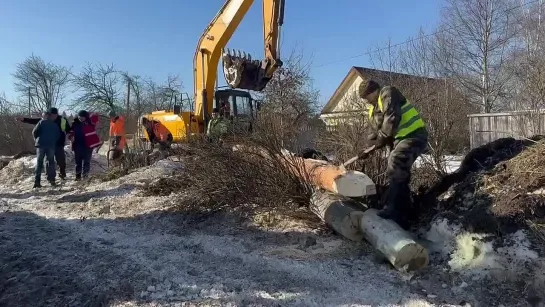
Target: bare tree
472,45
169,91
291,100
528,67
291,91
42,83
99,87
152,93
138,105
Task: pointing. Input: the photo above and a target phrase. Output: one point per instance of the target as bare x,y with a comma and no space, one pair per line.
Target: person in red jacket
84,139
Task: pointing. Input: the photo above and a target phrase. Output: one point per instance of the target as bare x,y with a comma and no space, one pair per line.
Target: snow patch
450,163
480,255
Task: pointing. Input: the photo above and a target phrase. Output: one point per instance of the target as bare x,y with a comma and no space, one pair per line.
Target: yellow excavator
242,74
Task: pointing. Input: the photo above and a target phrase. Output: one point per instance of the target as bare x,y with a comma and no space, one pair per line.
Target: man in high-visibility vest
397,124
117,136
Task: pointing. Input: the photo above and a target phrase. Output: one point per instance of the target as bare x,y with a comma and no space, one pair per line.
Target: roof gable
345,84
381,76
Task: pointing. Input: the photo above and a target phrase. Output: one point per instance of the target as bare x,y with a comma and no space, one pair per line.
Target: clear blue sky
155,38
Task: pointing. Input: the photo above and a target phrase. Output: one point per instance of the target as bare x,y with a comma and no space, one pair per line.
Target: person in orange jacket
157,133
118,139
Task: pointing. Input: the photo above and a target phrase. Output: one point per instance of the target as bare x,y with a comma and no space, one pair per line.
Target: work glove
379,142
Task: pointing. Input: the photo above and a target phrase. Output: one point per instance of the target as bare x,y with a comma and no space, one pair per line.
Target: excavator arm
239,69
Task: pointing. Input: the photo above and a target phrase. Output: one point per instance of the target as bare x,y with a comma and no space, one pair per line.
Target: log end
354,184
411,257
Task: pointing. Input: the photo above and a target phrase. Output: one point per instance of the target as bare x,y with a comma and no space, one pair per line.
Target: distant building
345,105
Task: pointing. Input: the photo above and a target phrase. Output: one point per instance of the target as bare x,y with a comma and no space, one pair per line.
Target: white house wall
346,102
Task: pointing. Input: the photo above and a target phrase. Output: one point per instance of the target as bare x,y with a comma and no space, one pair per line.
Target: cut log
393,242
340,213
332,178
353,221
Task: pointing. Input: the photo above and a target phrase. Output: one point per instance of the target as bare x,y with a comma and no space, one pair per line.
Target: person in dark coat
84,139
64,128
46,134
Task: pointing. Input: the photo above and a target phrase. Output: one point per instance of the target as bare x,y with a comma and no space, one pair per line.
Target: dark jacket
62,139
385,124
78,141
84,135
46,134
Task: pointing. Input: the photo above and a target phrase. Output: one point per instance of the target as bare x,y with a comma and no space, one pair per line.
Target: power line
415,39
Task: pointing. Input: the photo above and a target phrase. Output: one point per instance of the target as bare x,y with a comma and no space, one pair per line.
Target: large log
393,242
354,222
340,213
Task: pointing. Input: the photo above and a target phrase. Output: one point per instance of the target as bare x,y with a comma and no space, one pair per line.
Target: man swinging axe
397,124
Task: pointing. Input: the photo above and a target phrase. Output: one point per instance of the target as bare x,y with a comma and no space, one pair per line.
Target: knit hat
53,111
83,113
367,87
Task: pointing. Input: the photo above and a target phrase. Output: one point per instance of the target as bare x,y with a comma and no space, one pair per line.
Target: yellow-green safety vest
410,119
63,124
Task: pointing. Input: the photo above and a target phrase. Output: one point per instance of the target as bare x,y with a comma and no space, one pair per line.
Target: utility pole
29,103
128,101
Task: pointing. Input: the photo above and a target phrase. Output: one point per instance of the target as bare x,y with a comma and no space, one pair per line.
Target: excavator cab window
234,103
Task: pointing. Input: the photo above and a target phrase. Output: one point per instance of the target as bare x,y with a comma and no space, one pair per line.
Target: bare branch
43,83
99,87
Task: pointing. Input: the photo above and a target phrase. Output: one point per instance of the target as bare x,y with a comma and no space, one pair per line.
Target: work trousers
400,161
83,161
43,153
402,157
60,160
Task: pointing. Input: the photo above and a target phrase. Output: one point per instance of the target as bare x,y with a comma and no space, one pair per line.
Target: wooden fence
487,127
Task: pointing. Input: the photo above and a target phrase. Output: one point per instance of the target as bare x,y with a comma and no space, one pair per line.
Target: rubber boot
393,202
37,185
78,177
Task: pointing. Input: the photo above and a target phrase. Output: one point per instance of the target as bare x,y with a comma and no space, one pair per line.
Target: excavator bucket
242,72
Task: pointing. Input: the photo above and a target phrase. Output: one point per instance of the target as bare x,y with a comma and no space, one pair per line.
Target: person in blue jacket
46,134
64,128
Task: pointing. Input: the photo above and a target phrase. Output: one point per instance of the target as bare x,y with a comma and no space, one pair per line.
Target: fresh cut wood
334,179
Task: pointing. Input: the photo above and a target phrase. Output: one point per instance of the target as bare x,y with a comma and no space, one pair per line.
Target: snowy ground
101,243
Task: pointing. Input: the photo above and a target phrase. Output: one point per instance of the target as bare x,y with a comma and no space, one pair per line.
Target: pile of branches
244,171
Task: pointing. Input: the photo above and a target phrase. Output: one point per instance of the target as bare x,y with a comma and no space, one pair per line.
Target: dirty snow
450,163
474,253
101,242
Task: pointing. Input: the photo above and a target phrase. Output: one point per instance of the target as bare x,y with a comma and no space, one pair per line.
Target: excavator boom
239,69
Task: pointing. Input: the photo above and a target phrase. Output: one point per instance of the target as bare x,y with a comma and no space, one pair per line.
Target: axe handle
355,158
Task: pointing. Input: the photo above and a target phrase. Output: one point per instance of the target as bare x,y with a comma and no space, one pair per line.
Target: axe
343,166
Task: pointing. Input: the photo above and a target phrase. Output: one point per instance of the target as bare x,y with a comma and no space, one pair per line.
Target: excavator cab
238,106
